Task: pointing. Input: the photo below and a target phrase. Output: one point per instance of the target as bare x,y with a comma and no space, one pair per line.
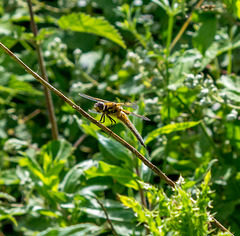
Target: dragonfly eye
99,106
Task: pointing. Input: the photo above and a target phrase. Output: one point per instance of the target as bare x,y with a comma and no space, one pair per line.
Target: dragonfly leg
102,119
113,123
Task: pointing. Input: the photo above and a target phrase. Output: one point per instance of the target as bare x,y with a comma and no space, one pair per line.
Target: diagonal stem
106,214
47,93
184,27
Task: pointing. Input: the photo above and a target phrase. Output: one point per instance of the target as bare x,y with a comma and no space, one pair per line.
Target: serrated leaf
81,22
167,129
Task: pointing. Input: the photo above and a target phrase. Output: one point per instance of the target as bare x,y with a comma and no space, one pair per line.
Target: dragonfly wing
92,98
139,116
95,112
129,104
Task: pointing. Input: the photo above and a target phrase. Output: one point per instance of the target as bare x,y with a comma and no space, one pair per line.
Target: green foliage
181,214
121,51
84,23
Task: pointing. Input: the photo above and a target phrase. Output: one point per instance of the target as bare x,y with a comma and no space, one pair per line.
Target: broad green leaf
21,87
95,25
33,166
113,151
208,27
167,129
116,211
58,196
8,177
72,180
130,202
73,230
14,144
123,176
231,83
58,149
183,64
233,133
86,128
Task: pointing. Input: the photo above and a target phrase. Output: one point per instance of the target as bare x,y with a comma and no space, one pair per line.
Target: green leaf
116,211
14,144
233,133
71,181
113,150
132,203
16,86
74,230
207,178
208,27
8,177
231,83
167,129
7,197
123,176
58,150
95,25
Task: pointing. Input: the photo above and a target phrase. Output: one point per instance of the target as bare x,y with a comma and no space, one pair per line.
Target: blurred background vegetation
187,84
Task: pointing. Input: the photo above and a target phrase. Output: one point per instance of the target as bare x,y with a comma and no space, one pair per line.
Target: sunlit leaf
95,25
167,129
7,197
113,150
8,177
74,230
208,27
124,177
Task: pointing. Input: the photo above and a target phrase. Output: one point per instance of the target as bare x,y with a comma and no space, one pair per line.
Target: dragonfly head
99,106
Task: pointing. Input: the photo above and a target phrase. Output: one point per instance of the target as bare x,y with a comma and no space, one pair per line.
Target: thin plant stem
47,93
169,39
79,141
184,27
100,125
169,33
31,115
106,214
229,53
143,199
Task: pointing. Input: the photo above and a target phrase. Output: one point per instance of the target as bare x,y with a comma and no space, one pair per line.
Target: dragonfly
112,109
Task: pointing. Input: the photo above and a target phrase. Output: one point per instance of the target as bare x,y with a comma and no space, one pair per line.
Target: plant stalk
184,27
47,93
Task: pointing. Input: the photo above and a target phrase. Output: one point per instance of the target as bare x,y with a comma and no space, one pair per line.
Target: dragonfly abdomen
125,120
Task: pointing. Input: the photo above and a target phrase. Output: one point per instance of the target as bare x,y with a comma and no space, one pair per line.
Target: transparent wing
129,104
95,112
125,104
139,116
92,98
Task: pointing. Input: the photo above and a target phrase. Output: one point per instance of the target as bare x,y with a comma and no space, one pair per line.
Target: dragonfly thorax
99,106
